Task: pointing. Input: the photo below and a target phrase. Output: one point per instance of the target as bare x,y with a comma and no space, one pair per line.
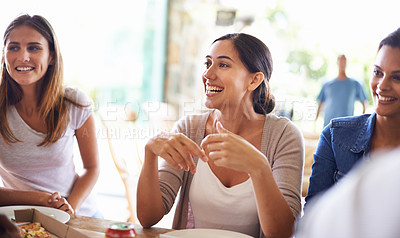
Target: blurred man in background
338,96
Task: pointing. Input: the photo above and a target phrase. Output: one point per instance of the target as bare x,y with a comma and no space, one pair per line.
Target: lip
208,93
24,66
385,99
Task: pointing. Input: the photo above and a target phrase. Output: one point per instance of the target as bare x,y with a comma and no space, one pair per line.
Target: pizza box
56,228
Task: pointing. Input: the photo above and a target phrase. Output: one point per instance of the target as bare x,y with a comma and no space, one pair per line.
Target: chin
386,113
208,104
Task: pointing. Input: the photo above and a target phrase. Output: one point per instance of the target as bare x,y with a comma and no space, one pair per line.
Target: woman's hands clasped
57,201
177,150
229,150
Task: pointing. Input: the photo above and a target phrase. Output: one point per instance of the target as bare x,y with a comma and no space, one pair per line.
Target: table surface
95,227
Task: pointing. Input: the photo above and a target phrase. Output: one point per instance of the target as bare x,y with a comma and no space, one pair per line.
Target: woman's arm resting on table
10,196
18,197
86,137
176,149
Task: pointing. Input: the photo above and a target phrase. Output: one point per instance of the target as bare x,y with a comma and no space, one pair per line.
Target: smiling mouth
386,99
22,69
213,89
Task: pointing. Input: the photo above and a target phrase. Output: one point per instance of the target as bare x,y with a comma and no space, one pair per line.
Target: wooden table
95,227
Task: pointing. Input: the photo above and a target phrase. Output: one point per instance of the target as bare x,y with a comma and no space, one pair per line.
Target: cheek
8,66
7,59
373,84
45,64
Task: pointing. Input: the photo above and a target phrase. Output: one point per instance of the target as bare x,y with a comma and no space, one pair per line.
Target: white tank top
218,207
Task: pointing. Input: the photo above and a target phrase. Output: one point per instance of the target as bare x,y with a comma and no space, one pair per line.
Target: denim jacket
341,145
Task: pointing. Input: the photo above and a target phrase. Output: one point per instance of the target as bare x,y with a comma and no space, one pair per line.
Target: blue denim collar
363,141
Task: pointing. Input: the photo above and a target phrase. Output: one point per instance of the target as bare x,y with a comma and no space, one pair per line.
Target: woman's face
385,82
27,55
225,79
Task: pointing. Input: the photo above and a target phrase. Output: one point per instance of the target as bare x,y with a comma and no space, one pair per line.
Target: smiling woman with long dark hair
237,167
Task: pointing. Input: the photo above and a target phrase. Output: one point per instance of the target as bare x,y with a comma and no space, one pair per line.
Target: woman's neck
386,132
237,119
29,102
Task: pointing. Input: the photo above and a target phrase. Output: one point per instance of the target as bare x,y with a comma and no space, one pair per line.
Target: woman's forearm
87,142
276,218
18,197
150,208
83,186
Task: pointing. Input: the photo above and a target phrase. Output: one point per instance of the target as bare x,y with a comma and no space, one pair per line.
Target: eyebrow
393,72
221,57
30,43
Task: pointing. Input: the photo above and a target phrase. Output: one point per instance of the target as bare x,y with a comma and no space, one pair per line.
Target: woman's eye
377,73
207,64
33,48
223,65
13,48
396,78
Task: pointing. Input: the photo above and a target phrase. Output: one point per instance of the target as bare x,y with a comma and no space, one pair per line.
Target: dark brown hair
392,40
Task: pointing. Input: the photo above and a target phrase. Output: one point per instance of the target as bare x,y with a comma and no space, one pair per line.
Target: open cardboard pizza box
56,228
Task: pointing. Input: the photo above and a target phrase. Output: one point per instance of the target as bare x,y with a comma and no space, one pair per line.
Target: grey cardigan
282,143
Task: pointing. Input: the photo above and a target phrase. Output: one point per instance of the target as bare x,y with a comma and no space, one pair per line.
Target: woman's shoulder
277,119
81,106
351,132
281,127
76,95
351,121
196,119
276,122
193,125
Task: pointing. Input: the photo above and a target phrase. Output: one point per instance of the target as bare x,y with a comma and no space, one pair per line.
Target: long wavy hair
52,107
256,57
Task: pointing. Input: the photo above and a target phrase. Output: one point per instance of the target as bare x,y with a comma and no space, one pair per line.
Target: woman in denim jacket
347,140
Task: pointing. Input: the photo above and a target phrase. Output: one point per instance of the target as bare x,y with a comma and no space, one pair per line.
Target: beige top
282,143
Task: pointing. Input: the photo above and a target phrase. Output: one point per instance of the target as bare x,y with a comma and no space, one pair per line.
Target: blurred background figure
337,96
364,204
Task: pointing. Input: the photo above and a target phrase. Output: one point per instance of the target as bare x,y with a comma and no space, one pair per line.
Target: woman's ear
257,79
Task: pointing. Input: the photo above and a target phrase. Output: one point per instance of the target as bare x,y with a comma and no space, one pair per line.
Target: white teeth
382,98
213,89
24,68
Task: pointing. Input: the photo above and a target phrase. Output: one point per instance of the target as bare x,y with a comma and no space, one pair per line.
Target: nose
24,56
209,72
384,83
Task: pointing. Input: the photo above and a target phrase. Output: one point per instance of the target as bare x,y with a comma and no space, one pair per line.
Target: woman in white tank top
248,177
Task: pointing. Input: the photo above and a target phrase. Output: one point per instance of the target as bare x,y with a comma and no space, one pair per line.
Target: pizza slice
34,230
